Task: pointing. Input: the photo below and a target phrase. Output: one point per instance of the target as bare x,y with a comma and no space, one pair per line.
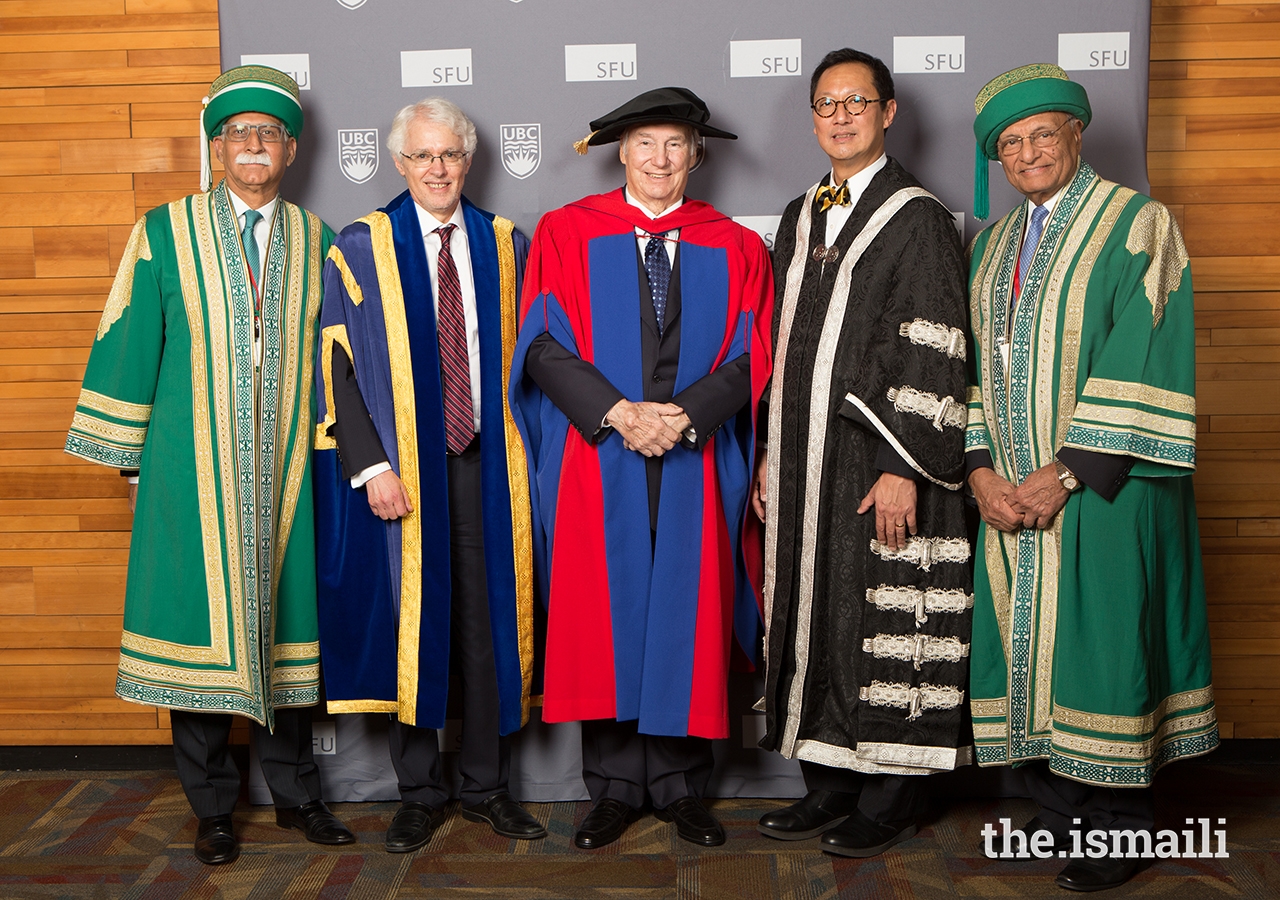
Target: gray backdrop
532,73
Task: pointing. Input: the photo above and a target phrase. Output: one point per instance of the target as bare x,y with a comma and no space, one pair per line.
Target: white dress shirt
642,236
459,250
838,215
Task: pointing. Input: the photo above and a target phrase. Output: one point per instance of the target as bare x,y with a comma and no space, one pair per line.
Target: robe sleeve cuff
1102,473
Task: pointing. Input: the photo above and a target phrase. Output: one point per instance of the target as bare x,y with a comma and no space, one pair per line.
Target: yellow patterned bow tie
829,197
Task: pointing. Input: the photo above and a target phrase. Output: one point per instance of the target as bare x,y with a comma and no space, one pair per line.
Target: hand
133,497
1038,499
643,427
759,494
992,493
387,496
894,498
678,423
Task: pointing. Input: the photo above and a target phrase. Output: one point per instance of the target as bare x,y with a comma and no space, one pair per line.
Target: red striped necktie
455,356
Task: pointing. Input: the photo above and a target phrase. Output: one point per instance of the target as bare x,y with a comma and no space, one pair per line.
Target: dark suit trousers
621,763
881,798
209,775
1063,800
485,760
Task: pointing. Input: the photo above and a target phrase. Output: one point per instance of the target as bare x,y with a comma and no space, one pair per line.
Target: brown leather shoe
316,822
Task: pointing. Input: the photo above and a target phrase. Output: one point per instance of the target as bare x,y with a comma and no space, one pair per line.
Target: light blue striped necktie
1034,229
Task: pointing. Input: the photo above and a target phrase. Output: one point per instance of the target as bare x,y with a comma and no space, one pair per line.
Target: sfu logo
521,149
358,153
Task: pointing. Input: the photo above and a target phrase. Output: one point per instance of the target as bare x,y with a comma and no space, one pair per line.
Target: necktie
455,357
658,267
828,196
1034,229
251,218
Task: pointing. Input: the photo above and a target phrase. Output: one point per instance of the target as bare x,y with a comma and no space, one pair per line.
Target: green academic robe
1090,640
220,602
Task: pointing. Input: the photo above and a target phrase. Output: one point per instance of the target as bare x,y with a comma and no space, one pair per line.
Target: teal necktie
251,218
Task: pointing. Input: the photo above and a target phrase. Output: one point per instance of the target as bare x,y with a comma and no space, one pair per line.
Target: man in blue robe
423,516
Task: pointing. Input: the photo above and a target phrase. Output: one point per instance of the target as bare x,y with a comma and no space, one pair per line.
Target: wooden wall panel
97,102
1214,125
97,105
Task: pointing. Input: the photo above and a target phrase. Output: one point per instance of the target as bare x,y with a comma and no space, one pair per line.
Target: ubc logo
521,149
765,226
435,68
1094,50
763,59
353,4
296,65
599,62
358,153
929,54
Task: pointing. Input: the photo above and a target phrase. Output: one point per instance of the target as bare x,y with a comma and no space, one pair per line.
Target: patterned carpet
128,835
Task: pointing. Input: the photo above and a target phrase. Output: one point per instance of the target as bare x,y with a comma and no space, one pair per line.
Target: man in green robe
1090,656
200,379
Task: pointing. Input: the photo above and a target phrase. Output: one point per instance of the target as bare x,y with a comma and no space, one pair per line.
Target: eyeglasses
854,105
423,158
1041,140
238,132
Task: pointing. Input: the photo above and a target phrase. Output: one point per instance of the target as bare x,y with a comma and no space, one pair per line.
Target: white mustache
253,159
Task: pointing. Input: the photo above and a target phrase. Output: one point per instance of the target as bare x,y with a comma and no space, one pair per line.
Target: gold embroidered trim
362,706
918,648
123,436
206,488
1016,76
949,341
1155,232
333,334
348,279
117,409
1145,394
137,248
306,651
1133,725
984,709
406,419
1126,419
1093,746
517,463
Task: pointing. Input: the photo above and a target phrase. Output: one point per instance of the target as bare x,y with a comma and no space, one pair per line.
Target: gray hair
432,109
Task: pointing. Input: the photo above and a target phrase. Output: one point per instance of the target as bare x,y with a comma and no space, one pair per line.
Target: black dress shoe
506,817
216,841
316,822
1015,843
604,824
693,822
412,826
860,837
809,816
1097,874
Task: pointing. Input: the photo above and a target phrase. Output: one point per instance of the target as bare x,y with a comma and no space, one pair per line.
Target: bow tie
828,196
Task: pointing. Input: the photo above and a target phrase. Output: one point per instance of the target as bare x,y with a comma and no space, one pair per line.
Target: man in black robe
867,583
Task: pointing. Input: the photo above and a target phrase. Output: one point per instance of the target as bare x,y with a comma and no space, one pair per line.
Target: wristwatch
1066,477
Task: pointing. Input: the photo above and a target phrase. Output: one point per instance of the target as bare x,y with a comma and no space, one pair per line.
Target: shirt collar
858,183
429,223
239,206
638,205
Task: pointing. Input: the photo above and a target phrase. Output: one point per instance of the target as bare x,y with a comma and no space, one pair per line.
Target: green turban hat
1015,95
259,89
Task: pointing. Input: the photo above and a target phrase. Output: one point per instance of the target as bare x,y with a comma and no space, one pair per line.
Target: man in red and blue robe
643,352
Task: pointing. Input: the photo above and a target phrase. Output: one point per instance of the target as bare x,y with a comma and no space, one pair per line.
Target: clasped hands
648,428
1032,504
